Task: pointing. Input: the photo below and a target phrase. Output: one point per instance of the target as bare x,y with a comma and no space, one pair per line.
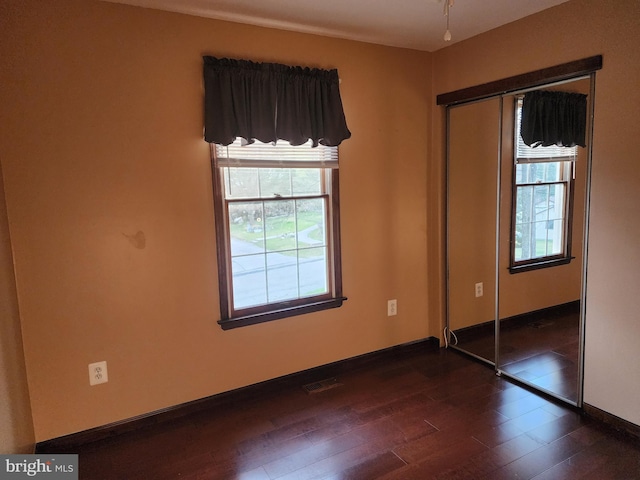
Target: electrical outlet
98,373
479,290
392,308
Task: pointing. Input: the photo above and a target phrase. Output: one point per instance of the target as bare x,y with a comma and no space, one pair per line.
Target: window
277,224
276,203
542,193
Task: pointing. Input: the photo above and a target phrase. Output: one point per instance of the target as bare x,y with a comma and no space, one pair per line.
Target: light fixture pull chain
447,6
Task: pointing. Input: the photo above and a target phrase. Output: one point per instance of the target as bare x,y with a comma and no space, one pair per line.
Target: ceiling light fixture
447,6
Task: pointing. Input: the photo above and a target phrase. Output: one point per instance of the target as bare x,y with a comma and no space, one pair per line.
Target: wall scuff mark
138,240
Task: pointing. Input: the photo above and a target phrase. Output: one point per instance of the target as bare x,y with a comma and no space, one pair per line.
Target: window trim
519,266
274,311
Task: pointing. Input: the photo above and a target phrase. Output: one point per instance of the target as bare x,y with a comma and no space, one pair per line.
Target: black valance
554,118
270,102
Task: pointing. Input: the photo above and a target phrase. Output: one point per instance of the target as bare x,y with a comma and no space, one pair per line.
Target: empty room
341,239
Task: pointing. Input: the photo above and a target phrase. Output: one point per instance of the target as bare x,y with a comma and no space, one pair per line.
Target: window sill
539,265
236,322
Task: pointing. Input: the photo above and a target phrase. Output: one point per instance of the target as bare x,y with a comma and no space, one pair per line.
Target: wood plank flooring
424,415
543,351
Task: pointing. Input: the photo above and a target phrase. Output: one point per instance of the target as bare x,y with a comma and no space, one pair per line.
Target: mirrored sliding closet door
474,139
518,176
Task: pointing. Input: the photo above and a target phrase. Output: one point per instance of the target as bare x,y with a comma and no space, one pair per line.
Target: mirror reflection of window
541,220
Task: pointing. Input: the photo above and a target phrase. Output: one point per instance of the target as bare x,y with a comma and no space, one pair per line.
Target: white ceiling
417,24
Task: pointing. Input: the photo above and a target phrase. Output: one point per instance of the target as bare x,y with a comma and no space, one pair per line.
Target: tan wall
574,30
16,425
102,138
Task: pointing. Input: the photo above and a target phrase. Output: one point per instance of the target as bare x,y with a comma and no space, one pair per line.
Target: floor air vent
321,386
541,324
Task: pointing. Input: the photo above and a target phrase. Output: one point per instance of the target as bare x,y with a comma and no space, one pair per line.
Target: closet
517,228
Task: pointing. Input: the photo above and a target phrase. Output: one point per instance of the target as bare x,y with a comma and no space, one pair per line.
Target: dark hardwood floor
541,348
544,352
421,415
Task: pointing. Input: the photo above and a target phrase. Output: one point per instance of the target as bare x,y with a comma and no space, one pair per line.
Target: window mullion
532,219
297,244
537,184
547,230
264,242
276,199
